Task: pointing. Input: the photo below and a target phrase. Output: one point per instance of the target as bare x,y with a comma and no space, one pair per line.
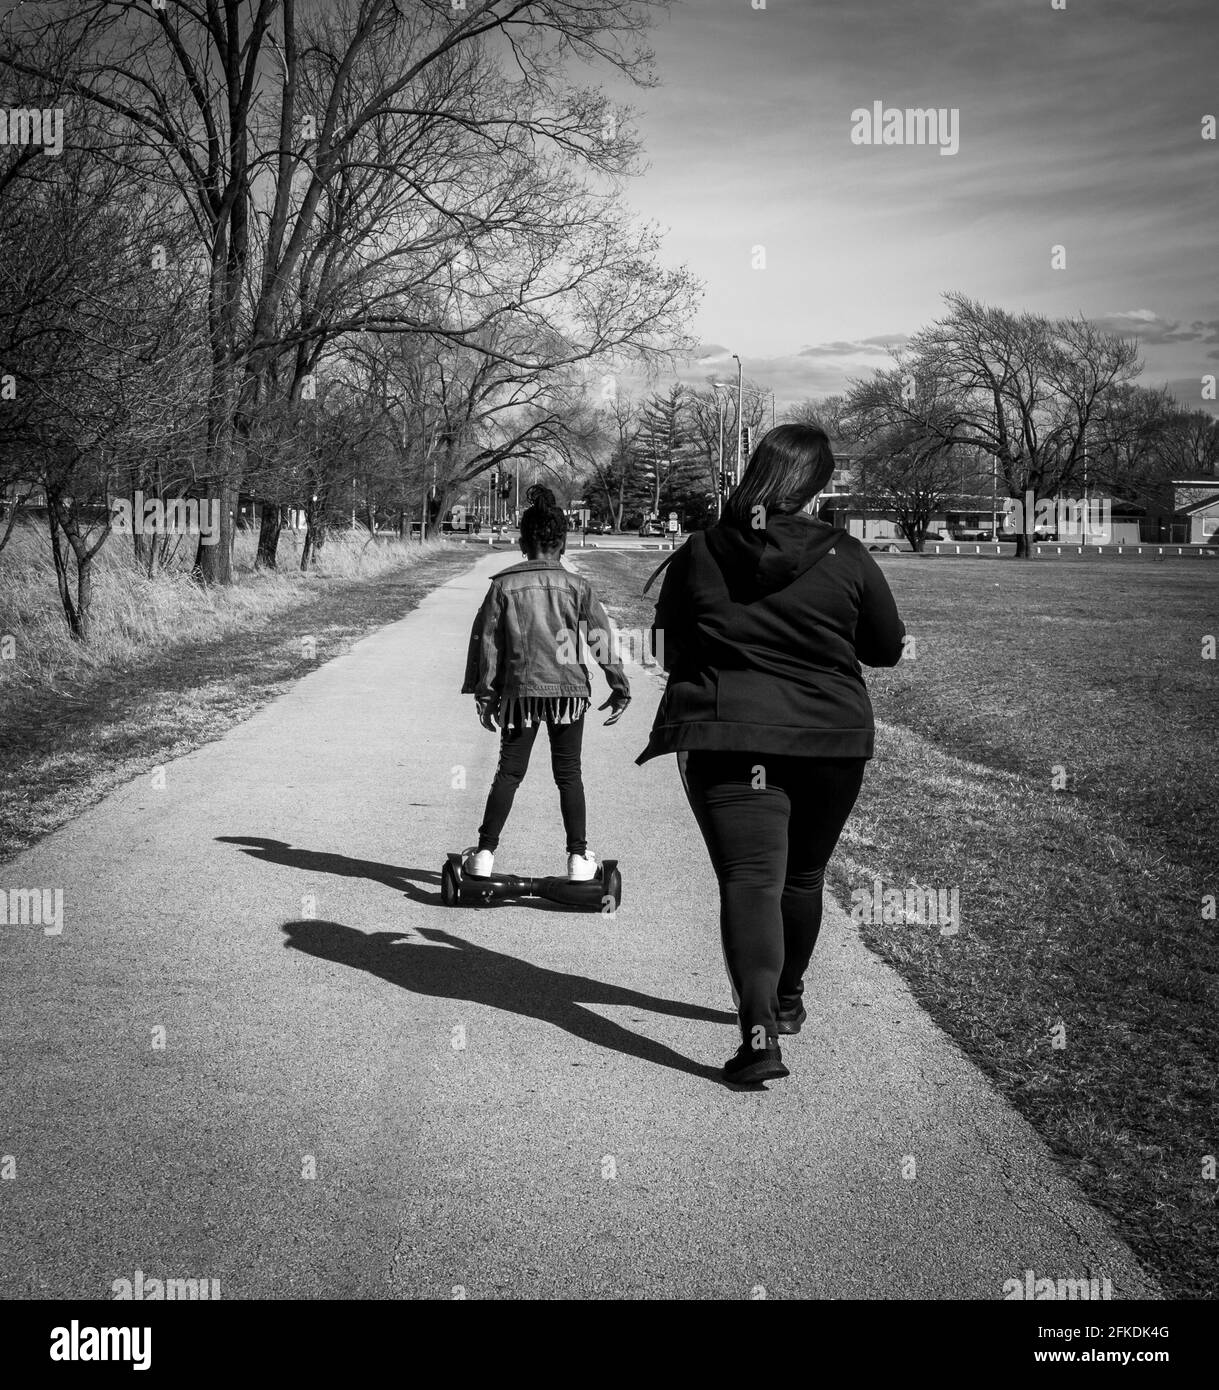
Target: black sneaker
789,1017
752,1064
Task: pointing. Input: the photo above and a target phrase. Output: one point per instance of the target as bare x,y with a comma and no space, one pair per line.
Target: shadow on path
447,967
405,881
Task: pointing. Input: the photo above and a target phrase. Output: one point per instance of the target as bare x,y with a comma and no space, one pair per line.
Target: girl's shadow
407,881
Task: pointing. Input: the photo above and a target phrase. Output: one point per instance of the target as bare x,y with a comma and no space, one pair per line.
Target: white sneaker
582,868
478,863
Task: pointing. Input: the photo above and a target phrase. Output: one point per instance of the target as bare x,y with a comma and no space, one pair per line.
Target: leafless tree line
1040,406
329,255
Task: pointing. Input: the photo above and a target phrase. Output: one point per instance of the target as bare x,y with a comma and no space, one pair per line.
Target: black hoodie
762,633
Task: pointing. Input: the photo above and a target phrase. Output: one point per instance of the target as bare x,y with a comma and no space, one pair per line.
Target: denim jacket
525,642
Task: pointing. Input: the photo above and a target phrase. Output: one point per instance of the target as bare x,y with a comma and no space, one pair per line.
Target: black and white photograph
609,672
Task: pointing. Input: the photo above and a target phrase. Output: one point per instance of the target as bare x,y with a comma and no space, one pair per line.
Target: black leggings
515,746
771,824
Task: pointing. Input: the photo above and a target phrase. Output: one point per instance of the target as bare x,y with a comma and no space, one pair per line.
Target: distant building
249,515
36,498
1184,511
1202,517
860,515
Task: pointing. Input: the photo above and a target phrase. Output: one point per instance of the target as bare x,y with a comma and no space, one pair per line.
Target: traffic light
746,444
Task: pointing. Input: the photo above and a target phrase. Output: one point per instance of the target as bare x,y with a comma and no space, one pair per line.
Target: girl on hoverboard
524,670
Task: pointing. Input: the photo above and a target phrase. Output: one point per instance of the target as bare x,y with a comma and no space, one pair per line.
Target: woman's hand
486,716
618,704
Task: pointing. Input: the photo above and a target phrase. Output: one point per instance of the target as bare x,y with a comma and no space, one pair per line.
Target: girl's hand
486,716
618,704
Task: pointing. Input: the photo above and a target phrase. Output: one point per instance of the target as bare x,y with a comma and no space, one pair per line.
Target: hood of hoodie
756,562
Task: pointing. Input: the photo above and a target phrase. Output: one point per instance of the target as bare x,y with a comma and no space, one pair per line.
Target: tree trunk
214,563
1026,504
436,512
315,538
65,535
14,506
269,526
59,555
145,547
84,597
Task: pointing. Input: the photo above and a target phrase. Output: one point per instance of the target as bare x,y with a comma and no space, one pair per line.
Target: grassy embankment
171,665
1081,907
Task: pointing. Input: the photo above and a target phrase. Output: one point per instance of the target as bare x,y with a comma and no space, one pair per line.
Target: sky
1078,127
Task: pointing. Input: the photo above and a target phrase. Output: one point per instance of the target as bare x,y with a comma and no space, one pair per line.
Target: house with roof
1202,519
1184,511
845,503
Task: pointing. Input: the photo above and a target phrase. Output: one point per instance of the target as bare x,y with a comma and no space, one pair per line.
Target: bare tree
912,474
826,412
99,347
610,455
1189,444
261,117
1019,388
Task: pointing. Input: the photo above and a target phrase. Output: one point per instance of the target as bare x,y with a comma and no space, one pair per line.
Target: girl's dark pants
771,824
515,746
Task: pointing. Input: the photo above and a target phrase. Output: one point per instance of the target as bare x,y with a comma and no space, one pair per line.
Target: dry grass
171,665
1081,907
135,616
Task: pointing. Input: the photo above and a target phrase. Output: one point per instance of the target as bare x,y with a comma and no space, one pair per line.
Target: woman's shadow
447,967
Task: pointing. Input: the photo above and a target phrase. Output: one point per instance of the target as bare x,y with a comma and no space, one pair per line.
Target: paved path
274,908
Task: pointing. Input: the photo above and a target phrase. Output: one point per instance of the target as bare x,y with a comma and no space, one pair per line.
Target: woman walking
764,620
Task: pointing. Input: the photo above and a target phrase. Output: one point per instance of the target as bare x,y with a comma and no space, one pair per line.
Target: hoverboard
603,893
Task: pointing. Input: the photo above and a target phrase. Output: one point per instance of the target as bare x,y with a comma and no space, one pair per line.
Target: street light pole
1085,465
720,462
717,387
740,413
719,471
994,499
1087,515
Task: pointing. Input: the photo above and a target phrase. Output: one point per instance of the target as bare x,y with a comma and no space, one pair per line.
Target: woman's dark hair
543,522
789,467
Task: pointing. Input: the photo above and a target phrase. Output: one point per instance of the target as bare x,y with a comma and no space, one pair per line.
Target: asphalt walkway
261,1050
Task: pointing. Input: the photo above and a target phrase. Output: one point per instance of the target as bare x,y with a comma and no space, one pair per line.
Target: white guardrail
1050,547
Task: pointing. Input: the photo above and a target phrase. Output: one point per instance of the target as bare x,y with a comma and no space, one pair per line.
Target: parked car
651,528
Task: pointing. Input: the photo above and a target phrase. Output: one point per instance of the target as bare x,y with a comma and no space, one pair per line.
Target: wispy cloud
1148,327
881,345
1079,128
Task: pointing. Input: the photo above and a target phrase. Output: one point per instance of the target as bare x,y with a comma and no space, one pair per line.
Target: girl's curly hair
543,522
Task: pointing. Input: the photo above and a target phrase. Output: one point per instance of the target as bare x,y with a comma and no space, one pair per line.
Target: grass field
1051,753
